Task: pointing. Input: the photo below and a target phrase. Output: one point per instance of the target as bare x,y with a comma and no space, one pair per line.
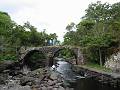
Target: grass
97,67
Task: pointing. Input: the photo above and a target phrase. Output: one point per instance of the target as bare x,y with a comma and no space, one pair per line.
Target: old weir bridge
50,52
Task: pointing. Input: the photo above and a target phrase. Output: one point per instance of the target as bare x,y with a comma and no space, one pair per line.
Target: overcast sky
52,15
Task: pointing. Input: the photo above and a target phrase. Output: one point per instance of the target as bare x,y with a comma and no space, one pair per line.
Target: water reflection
90,84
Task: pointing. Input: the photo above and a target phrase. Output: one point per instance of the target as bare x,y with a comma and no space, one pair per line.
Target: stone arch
57,51
34,63
50,52
72,50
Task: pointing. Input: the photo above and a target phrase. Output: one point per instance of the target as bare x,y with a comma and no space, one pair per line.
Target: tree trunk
100,55
76,61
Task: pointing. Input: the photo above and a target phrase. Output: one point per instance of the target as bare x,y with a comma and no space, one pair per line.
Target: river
76,81
59,77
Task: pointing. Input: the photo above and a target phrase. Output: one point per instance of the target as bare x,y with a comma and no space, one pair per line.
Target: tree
98,30
14,36
70,37
70,26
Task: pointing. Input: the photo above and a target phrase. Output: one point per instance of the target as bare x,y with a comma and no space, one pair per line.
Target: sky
52,15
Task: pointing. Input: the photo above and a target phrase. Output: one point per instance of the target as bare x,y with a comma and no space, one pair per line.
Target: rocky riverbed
24,79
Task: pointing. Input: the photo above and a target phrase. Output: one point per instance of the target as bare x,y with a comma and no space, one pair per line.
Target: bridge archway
67,52
34,59
50,52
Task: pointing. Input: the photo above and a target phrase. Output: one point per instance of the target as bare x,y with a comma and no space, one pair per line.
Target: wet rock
51,83
29,83
39,79
43,88
59,84
54,76
5,64
24,80
50,88
55,88
15,73
6,71
61,88
38,73
16,88
2,80
24,88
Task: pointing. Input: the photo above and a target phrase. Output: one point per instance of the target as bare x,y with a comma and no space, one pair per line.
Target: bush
8,57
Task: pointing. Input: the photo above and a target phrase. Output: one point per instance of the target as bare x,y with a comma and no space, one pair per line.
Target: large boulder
5,64
2,79
113,62
33,77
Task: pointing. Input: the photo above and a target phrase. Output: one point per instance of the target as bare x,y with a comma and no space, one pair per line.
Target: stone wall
114,62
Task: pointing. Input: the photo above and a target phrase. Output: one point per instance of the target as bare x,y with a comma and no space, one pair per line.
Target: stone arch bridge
50,52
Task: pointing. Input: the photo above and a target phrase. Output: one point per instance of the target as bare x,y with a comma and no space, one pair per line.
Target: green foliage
14,36
4,18
8,57
66,53
96,67
35,60
37,56
98,30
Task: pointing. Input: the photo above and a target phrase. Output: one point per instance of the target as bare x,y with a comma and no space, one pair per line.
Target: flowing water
71,79
78,82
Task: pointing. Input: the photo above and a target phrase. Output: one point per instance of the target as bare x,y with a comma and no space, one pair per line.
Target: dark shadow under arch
35,59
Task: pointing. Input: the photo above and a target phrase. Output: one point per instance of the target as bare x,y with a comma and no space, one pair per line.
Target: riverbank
14,78
104,76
